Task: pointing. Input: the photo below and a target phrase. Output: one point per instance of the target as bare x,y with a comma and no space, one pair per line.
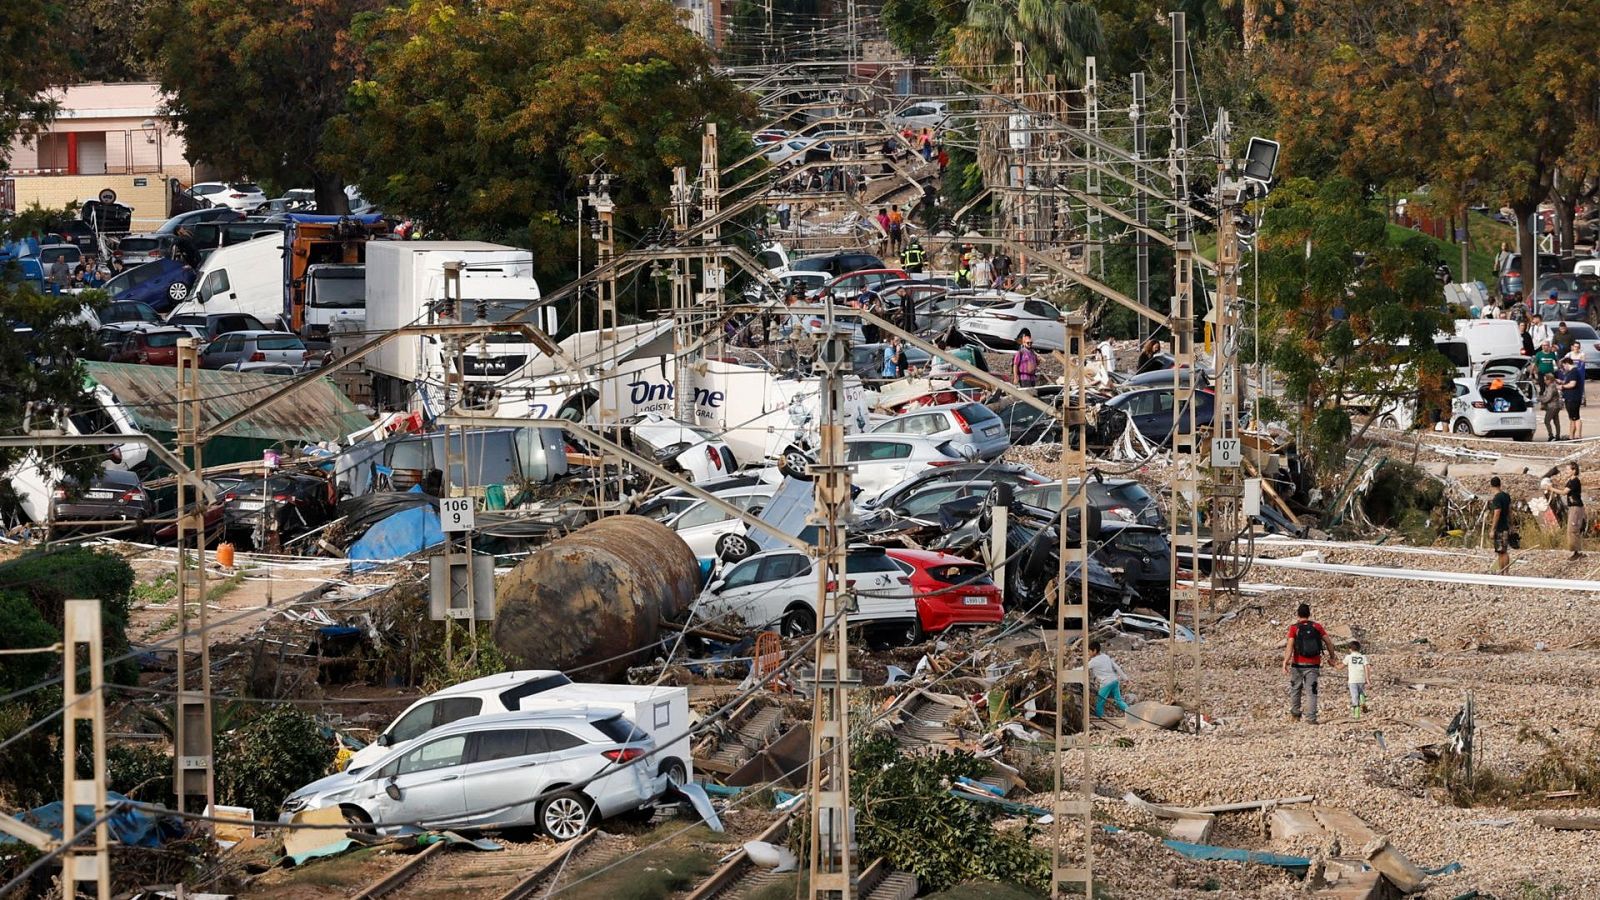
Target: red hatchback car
950,590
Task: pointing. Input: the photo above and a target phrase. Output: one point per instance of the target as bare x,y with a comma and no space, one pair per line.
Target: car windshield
138,245
619,729
245,187
958,573
164,338
1582,332
1146,541
48,255
280,342
339,290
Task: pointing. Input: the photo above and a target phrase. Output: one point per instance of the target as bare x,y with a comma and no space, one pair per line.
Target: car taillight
280,498
905,580
1479,404
714,456
258,356
236,196
61,493
940,463
229,496
833,586
626,754
961,421
129,496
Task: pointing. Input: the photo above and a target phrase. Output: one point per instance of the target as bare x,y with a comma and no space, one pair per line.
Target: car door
737,590
879,465
429,781
503,766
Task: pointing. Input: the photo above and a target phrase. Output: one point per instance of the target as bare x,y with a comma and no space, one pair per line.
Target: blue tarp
402,534
1235,854
310,219
133,824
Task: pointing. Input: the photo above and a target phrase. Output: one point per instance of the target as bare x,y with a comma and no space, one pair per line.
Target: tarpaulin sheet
133,824
400,535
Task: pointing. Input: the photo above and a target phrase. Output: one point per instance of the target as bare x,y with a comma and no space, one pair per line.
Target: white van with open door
1489,338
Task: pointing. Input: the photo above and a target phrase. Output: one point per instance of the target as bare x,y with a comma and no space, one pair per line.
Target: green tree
32,60
480,119
108,40
921,28
1056,35
255,84
1348,315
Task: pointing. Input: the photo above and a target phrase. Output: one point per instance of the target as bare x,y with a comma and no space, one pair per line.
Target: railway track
514,873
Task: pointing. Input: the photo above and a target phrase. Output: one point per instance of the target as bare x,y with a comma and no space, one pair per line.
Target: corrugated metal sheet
320,412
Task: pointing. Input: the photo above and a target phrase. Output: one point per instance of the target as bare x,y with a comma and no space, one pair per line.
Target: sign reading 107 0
1226,453
455,514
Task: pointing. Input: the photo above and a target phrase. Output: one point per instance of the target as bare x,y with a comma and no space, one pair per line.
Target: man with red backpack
1302,662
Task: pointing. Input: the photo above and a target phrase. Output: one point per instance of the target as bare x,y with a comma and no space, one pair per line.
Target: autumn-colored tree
254,84
1479,98
1348,317
482,118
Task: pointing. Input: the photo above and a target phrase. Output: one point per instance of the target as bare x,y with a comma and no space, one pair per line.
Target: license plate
98,495
251,505
992,430
975,601
1510,420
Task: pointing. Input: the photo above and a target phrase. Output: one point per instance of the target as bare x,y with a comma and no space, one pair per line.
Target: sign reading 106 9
455,514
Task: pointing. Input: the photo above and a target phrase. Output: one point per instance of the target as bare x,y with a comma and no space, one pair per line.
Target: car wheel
793,463
177,290
356,818
733,547
799,622
565,816
1462,426
1389,422
675,772
915,633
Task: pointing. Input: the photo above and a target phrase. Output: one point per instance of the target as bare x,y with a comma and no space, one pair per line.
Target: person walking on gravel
1575,521
1302,662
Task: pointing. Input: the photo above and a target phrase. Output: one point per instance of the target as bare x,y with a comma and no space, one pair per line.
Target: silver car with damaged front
559,770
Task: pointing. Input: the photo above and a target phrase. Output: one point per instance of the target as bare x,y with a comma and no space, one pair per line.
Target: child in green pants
1109,676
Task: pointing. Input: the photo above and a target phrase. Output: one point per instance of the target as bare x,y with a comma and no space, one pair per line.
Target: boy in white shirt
1356,663
1108,675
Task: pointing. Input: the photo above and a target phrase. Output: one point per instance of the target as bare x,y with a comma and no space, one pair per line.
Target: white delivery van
243,278
1489,338
661,712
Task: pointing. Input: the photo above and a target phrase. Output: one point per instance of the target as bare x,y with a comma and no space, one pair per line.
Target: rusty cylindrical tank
595,594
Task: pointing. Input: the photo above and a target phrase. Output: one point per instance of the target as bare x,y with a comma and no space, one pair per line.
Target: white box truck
405,285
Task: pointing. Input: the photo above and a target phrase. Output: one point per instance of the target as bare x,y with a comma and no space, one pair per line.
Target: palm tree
1056,36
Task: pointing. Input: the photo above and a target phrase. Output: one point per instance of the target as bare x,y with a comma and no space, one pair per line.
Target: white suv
779,587
881,461
241,196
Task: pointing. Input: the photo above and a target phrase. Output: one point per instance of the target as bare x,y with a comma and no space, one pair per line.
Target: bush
267,758
51,577
31,772
140,771
25,627
906,814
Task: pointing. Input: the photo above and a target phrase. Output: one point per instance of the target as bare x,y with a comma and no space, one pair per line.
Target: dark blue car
161,283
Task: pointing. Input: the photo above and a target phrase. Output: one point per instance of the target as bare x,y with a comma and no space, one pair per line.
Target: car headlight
294,804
